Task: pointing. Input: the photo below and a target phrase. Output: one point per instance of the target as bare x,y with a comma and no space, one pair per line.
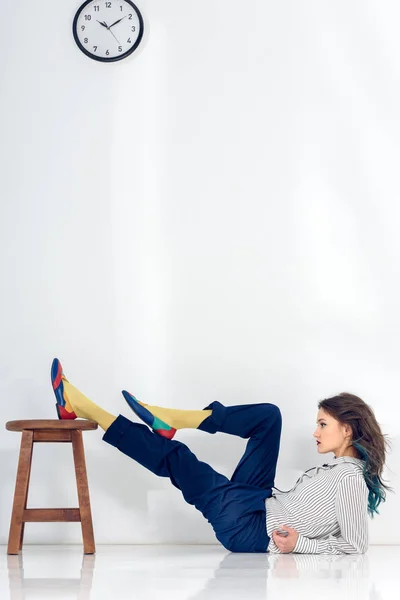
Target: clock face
108,30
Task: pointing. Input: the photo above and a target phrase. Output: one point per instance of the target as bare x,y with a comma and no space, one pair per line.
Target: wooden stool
51,430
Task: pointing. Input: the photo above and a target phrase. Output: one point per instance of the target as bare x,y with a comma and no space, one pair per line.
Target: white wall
214,218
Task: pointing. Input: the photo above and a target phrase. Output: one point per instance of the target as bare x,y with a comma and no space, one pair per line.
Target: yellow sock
85,408
179,419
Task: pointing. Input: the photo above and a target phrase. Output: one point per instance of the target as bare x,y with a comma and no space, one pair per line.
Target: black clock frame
114,58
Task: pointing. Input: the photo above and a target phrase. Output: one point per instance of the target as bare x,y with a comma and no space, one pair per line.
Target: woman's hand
285,544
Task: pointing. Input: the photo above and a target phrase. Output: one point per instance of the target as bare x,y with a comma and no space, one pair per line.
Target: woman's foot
63,406
71,403
159,426
166,421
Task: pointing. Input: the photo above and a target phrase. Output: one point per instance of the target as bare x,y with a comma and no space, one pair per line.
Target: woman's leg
232,508
262,423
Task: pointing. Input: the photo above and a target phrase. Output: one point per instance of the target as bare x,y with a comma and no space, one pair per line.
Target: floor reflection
255,576
49,587
154,572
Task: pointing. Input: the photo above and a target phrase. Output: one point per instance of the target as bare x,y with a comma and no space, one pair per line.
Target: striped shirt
327,507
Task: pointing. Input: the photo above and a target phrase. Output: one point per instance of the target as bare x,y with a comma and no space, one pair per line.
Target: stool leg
83,492
26,500
16,535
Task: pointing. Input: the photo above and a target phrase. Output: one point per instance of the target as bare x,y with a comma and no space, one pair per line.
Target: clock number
85,40
95,48
119,48
82,27
88,17
133,28
107,52
130,15
129,41
121,7
96,8
108,4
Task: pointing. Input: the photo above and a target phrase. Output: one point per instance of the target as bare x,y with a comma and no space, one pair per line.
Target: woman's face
333,436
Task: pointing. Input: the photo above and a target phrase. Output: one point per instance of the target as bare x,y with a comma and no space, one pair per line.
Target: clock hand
107,27
117,21
112,34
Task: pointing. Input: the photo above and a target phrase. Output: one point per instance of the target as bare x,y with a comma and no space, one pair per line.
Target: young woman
325,511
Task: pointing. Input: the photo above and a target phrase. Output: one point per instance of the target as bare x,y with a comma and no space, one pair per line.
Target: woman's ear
347,430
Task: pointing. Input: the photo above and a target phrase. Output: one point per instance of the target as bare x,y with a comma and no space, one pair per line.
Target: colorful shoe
64,409
155,423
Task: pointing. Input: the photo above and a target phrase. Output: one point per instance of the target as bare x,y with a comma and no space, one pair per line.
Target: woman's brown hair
368,441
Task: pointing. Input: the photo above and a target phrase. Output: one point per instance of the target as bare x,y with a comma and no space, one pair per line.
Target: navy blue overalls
235,508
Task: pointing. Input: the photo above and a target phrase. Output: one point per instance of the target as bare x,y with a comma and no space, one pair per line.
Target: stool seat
50,430
82,424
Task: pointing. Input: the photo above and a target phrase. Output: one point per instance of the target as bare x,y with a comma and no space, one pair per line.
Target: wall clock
108,30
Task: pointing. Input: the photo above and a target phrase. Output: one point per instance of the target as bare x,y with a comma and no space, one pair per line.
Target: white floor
195,573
